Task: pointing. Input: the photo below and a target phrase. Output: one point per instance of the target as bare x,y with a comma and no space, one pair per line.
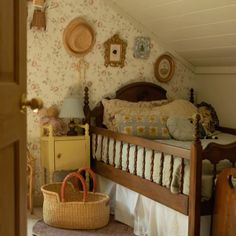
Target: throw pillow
209,117
147,125
179,107
114,106
182,128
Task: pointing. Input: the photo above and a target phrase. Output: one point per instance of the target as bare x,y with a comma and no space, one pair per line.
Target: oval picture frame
164,68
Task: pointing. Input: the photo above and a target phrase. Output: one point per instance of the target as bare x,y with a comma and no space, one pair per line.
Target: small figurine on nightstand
49,116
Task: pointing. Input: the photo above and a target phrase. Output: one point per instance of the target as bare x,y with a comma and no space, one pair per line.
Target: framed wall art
142,47
115,50
164,68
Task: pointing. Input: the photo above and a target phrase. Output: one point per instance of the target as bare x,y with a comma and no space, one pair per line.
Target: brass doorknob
35,103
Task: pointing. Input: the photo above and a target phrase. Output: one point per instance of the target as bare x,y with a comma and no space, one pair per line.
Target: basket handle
78,176
91,174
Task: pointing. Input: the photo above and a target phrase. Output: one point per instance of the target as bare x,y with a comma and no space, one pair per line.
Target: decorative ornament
78,37
164,68
115,50
142,47
39,18
82,69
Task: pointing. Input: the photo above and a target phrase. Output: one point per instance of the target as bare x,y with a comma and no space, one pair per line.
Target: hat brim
78,37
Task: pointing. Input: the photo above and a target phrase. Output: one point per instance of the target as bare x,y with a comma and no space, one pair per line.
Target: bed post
191,97
195,183
86,107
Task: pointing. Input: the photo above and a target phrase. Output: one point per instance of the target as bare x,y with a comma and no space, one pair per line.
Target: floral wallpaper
53,73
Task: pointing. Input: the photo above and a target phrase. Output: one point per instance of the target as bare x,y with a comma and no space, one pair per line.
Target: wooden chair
30,175
225,204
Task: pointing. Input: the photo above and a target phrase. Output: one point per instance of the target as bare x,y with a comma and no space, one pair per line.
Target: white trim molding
218,70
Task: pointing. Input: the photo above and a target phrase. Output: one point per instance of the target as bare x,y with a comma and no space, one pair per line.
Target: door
12,121
70,154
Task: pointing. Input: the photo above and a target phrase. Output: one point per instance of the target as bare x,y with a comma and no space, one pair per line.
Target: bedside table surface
58,138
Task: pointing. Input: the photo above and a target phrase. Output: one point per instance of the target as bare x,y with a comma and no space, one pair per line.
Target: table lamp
72,108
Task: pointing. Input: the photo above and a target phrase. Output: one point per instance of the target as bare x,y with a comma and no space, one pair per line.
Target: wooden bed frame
191,204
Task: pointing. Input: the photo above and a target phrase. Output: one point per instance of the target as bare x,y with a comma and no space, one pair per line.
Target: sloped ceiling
201,31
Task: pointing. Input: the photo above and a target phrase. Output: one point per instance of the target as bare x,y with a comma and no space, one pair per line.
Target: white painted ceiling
201,31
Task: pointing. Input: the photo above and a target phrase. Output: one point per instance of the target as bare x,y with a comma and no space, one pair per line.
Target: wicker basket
66,207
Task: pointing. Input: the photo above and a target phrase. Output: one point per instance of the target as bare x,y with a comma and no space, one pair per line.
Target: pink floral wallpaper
53,74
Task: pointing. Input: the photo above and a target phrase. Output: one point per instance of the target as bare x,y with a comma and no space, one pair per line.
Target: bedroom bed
164,171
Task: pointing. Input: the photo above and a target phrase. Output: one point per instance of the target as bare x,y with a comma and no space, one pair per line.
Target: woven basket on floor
66,207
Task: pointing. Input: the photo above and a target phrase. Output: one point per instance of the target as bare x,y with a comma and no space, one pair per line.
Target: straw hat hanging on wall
78,37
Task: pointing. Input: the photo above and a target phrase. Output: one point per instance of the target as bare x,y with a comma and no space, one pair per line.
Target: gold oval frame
171,70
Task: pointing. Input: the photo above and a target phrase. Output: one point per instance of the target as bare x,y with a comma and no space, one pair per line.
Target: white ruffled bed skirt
147,217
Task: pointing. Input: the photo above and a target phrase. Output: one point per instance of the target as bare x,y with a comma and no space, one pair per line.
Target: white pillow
181,128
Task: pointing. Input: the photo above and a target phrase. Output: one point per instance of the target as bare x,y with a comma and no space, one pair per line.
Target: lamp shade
72,108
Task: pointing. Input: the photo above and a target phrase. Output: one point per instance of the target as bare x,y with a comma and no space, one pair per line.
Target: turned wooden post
195,183
191,97
86,107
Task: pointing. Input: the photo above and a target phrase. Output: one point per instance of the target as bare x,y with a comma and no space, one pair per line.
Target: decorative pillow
158,103
209,118
182,128
114,106
177,107
143,125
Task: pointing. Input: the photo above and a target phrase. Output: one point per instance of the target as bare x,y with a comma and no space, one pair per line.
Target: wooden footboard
145,187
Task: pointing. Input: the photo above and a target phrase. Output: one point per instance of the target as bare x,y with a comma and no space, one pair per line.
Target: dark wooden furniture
225,204
191,204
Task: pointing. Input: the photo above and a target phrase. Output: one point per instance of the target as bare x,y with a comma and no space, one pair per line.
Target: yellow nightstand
63,152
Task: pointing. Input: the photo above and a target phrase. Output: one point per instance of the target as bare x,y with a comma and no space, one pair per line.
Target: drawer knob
59,155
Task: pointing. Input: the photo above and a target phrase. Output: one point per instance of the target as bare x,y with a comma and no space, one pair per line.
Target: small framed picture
142,47
115,50
164,68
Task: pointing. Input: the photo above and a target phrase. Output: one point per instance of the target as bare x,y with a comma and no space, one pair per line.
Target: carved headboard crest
141,91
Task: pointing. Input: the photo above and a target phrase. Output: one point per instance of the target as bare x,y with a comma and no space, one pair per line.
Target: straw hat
78,37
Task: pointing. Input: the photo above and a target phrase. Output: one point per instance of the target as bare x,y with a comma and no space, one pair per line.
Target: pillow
177,107
114,106
209,117
182,128
143,125
159,102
